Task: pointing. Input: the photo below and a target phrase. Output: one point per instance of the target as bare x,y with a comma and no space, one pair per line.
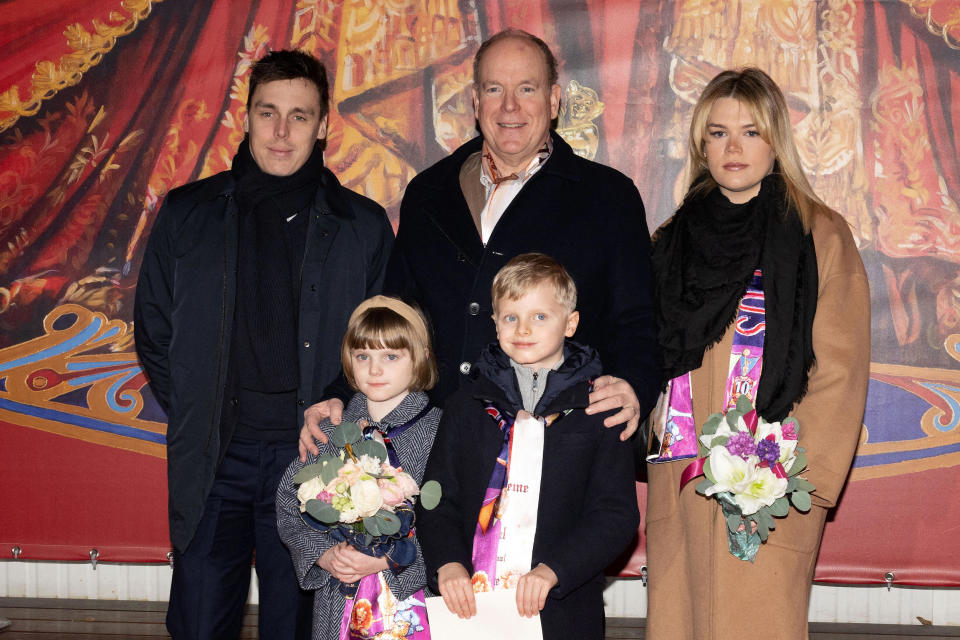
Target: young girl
387,358
751,234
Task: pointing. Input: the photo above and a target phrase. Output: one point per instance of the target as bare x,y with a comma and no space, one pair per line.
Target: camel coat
697,589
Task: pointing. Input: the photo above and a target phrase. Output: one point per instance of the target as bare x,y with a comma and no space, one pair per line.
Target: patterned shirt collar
490,175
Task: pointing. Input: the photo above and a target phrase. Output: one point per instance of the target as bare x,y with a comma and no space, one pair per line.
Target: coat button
306,344
234,401
464,368
300,402
474,308
313,287
461,257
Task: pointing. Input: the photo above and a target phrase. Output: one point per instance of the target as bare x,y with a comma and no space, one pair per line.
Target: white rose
366,497
309,490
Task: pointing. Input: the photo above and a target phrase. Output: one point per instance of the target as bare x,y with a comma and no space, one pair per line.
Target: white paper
496,617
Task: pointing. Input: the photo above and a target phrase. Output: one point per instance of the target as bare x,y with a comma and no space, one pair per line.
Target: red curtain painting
105,105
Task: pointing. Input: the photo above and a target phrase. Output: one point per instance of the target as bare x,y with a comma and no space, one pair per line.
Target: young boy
538,496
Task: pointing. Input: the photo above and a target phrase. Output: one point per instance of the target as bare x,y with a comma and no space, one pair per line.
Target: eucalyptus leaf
719,441
430,494
780,507
733,417
801,500
799,463
309,472
330,469
804,485
372,525
744,405
703,485
388,522
372,448
763,531
707,472
710,426
367,539
323,511
351,432
733,522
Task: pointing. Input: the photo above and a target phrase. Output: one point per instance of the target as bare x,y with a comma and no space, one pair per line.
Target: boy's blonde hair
757,91
525,272
388,323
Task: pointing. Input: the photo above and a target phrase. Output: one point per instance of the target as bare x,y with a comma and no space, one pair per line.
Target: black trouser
211,578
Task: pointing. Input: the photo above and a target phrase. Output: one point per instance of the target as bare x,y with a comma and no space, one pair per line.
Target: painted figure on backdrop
752,243
519,187
247,283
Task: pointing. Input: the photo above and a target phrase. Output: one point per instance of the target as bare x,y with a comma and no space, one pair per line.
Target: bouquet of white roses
752,467
358,496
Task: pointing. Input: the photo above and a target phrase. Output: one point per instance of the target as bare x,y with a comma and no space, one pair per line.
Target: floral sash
674,433
374,613
503,540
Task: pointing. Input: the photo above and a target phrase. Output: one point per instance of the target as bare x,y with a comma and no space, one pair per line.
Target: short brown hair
377,324
549,60
290,65
526,271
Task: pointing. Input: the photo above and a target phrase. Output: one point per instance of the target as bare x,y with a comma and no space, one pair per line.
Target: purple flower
768,451
741,444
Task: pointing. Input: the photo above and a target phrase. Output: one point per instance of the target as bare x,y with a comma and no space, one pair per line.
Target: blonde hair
526,271
388,323
760,94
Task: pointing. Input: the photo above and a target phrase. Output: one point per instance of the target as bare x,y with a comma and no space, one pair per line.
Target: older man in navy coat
519,188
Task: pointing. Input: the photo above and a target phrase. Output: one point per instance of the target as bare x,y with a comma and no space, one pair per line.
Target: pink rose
392,492
407,484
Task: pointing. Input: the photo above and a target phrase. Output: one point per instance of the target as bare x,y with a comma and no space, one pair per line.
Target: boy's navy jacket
587,511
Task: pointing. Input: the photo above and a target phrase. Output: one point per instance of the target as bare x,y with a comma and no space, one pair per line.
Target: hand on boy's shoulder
331,409
611,393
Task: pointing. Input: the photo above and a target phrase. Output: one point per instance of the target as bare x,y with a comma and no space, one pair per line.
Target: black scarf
703,259
270,252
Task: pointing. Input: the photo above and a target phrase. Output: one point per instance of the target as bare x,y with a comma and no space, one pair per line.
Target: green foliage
323,511
780,508
733,522
710,426
707,472
744,405
801,500
703,485
372,448
326,467
430,494
346,433
799,463
802,484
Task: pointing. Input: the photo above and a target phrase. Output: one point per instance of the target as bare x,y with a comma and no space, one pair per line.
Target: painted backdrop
105,105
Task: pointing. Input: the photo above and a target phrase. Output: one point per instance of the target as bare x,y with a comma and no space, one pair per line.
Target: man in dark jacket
247,283
519,188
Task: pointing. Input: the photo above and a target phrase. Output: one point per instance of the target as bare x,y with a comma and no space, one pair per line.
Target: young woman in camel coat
750,207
